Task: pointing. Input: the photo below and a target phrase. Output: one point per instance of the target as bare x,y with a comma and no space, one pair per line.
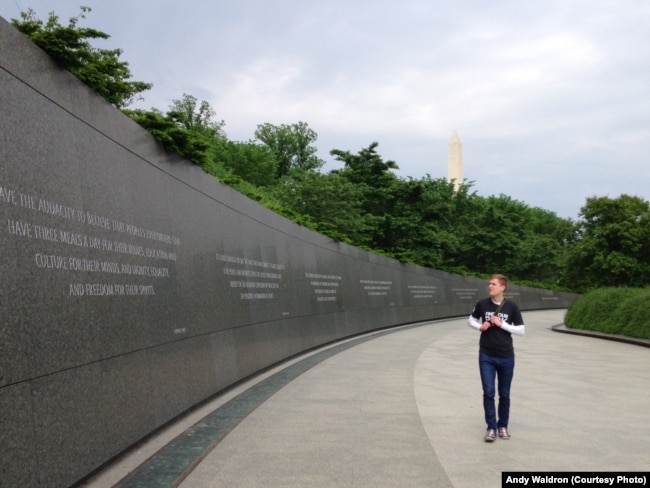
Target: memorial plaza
403,408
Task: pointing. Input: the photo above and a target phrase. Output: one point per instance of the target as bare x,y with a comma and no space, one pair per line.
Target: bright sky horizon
551,100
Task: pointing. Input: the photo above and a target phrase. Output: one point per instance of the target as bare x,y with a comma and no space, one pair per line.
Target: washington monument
455,171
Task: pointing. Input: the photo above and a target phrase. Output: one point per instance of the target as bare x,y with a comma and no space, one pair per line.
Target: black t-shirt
495,341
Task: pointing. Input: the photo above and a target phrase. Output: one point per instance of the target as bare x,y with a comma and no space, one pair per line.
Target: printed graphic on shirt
502,316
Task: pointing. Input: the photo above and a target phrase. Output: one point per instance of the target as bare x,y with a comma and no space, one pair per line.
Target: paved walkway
404,409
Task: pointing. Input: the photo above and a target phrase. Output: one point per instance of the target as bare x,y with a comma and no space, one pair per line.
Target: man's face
495,287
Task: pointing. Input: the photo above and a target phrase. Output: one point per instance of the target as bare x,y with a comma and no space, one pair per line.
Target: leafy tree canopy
367,166
611,245
69,45
188,128
292,146
189,114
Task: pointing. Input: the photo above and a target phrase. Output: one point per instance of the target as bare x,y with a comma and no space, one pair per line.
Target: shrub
620,311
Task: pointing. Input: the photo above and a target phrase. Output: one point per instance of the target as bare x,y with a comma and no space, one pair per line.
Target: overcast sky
551,99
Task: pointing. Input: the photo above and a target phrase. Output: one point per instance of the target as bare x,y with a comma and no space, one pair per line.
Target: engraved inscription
422,291
465,293
376,288
324,286
258,280
97,233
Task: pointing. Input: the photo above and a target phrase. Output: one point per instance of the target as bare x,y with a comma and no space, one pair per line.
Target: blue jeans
501,369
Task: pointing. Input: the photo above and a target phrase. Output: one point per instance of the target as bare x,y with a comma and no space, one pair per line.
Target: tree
416,228
253,163
191,115
330,203
611,245
371,175
188,129
100,69
366,166
190,144
292,146
368,170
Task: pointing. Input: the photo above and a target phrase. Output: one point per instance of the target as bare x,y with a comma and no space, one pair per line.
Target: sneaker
503,433
490,435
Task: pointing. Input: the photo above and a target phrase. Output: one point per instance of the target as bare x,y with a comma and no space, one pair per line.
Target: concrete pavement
404,409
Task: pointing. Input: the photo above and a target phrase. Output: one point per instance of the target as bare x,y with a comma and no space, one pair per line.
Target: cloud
551,99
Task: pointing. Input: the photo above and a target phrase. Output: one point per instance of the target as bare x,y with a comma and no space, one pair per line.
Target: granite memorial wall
134,285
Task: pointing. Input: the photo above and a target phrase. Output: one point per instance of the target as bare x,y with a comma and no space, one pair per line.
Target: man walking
497,319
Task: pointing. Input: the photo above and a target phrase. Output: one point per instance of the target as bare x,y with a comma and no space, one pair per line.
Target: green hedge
621,311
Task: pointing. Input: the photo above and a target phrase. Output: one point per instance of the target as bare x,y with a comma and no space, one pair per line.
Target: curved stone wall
135,286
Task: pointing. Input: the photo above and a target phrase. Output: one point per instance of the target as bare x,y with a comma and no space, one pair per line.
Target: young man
497,319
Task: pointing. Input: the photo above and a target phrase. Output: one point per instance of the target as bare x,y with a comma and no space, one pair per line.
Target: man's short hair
502,279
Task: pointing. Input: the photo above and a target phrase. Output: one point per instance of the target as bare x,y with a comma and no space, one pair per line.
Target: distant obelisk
455,171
